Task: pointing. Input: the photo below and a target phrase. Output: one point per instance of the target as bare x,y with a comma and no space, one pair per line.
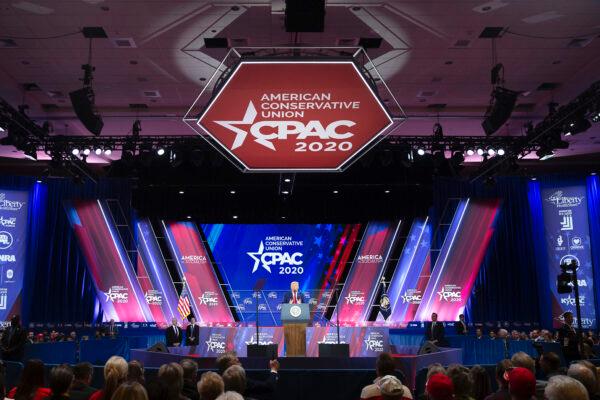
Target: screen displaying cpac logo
270,253
216,343
209,299
560,200
117,294
356,297
412,296
450,293
266,132
266,121
153,297
374,342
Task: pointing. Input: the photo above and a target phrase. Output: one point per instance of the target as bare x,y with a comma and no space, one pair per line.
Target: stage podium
295,317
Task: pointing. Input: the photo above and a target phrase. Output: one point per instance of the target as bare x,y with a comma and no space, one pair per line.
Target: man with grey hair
584,375
234,379
562,387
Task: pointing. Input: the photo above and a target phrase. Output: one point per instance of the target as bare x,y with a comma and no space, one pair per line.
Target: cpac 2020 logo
289,263
266,120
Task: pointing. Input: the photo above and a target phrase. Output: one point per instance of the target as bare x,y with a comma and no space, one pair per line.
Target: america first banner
568,238
13,243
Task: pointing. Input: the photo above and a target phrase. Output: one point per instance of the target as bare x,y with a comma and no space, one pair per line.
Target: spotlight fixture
285,192
470,152
86,152
107,152
232,192
596,116
576,126
501,152
387,191
181,192
235,217
421,152
160,151
533,178
491,152
335,191
544,154
75,151
480,151
31,152
287,180
189,217
98,151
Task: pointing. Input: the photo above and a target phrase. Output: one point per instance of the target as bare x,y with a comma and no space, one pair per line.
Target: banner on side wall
568,238
13,243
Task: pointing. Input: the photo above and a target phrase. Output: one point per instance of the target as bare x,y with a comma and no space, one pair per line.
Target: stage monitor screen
272,256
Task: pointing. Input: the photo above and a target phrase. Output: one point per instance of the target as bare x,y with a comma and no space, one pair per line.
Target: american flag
184,304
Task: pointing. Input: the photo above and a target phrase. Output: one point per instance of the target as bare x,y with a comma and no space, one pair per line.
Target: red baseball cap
521,382
439,387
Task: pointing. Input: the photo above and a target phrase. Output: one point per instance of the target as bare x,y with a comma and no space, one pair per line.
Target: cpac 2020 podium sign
292,115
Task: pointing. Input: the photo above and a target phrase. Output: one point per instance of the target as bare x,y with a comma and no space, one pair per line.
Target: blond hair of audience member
130,391
210,386
524,360
562,387
230,396
115,373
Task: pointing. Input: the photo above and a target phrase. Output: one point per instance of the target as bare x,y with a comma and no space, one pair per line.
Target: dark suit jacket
192,331
173,337
567,337
13,343
288,297
262,389
460,328
190,390
437,333
79,391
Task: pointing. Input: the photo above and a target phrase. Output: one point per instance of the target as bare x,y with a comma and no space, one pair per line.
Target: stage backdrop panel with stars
314,255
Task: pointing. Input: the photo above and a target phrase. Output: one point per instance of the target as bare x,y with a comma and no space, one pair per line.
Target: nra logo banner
294,115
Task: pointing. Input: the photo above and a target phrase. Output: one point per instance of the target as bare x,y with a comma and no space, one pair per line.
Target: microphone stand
257,294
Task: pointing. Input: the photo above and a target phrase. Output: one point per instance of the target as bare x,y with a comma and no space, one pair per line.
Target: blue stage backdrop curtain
57,286
593,192
506,288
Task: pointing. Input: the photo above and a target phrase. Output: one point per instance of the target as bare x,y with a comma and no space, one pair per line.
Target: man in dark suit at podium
294,296
434,331
174,334
192,332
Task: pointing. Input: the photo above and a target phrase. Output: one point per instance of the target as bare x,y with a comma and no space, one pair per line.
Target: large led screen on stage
276,255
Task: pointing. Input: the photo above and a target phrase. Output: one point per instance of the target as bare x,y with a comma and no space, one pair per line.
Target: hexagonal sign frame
292,115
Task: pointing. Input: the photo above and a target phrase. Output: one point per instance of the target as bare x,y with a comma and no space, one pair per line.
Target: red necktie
295,301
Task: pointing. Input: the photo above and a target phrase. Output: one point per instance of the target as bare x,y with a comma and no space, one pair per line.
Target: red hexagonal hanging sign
295,115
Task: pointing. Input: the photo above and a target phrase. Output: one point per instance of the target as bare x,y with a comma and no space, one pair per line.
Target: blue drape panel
593,192
57,286
508,274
